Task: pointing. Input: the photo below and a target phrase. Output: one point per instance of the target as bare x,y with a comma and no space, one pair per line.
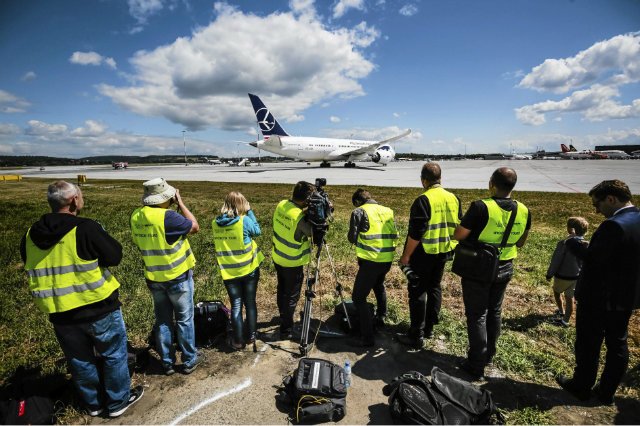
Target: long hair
235,204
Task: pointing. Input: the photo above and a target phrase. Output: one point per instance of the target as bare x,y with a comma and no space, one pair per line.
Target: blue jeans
100,382
243,291
169,300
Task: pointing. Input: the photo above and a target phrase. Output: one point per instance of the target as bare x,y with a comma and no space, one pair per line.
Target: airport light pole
184,144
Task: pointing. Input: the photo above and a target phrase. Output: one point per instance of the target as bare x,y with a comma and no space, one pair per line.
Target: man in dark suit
607,292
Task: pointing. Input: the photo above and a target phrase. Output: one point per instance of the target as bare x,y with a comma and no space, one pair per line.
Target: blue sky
126,77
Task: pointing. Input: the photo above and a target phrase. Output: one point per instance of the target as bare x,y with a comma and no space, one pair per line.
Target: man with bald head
432,221
66,259
485,221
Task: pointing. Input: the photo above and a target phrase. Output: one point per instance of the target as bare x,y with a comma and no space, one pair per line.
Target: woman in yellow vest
239,260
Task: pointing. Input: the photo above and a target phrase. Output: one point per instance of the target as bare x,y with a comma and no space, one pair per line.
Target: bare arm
461,233
523,239
409,247
195,227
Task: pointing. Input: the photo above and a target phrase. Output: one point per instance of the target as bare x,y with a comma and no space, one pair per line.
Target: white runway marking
262,350
246,383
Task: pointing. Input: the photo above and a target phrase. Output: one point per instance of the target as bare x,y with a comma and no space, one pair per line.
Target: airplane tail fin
564,148
268,124
572,148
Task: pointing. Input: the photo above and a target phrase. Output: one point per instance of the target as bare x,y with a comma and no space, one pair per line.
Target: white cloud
9,129
28,76
606,66
303,7
92,128
396,115
142,9
371,134
91,58
334,119
11,104
342,6
45,131
408,10
595,104
202,80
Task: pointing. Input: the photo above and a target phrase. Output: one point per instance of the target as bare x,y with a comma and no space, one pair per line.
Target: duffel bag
211,320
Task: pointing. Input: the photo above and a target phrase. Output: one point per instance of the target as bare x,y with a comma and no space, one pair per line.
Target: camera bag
479,261
211,320
441,400
316,391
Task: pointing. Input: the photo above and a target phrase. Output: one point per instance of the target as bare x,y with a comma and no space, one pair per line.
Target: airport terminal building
629,149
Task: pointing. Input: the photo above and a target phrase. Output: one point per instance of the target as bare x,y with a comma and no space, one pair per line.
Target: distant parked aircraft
573,154
210,160
276,140
120,165
239,163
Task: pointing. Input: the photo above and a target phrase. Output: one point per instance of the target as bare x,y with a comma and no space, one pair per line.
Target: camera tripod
310,294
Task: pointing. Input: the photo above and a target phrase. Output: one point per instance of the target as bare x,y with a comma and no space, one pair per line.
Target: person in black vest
607,292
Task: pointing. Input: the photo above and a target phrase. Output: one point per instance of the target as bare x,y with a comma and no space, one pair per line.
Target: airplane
614,153
278,141
120,165
573,154
210,160
240,163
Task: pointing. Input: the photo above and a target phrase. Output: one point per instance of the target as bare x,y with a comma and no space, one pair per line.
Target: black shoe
569,385
286,334
475,373
378,322
169,370
603,399
428,332
134,396
412,342
192,367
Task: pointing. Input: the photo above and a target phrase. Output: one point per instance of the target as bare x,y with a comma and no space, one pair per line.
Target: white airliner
277,141
573,154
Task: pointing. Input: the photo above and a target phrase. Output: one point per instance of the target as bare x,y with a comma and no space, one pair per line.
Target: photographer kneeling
373,231
291,251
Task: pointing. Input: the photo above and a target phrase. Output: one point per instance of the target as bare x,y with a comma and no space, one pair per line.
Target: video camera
319,211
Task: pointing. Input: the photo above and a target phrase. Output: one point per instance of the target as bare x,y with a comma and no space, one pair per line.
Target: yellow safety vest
378,244
493,231
286,250
59,280
445,209
235,258
162,261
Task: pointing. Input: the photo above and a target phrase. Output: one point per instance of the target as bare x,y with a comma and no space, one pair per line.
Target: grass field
530,348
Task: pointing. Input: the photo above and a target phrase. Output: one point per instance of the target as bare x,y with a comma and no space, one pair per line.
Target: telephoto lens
410,274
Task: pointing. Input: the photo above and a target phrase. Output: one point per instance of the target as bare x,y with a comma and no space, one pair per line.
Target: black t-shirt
477,216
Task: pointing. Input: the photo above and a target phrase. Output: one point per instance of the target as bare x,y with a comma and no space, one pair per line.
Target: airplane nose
254,144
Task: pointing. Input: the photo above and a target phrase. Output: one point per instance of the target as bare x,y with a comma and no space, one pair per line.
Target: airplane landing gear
350,164
325,164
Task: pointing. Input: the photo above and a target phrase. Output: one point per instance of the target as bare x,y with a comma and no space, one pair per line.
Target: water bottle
347,375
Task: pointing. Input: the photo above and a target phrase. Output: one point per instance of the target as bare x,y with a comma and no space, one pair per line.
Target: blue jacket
250,227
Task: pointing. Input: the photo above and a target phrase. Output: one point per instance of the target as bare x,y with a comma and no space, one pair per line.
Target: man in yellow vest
291,252
161,236
485,221
374,233
432,221
66,259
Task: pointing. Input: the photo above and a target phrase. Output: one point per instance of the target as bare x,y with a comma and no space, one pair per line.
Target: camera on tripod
319,211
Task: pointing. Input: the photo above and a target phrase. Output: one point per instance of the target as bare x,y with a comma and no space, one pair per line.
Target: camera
412,277
319,211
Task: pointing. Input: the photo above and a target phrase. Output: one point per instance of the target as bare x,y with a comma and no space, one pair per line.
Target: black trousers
425,299
370,276
593,326
288,293
483,309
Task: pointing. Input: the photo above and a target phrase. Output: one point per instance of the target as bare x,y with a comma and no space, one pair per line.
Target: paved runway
533,175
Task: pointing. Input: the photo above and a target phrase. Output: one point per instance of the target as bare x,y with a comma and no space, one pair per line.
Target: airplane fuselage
314,149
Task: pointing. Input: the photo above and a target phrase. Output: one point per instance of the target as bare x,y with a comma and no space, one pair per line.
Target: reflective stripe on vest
163,262
494,230
286,250
445,209
235,258
59,280
378,244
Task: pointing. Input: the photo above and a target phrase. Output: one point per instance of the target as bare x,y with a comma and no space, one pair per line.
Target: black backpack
211,320
441,400
316,392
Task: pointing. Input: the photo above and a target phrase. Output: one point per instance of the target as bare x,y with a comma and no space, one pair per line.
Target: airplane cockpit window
385,148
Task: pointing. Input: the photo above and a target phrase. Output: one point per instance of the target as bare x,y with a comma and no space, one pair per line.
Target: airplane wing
375,145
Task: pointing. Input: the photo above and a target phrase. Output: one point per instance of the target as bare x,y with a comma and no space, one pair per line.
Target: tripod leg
308,302
338,287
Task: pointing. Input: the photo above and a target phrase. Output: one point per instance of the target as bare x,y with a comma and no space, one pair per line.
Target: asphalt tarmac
576,176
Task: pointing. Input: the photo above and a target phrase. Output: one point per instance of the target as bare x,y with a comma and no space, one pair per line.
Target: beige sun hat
157,191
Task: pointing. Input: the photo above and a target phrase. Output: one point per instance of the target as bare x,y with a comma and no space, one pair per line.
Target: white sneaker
95,413
134,396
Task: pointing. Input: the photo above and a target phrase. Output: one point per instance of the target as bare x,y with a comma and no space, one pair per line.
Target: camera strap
507,230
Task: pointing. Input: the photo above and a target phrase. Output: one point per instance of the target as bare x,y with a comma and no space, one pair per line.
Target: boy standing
565,268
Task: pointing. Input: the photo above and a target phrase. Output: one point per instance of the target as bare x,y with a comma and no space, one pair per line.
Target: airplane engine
383,155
